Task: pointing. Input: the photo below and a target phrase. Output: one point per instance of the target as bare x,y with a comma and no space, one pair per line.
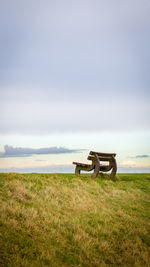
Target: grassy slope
61,220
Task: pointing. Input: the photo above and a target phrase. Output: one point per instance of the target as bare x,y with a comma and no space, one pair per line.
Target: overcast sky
74,66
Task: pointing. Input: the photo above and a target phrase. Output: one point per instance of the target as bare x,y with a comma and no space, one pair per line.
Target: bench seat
81,164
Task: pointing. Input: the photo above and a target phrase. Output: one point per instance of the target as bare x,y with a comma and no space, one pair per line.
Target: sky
74,77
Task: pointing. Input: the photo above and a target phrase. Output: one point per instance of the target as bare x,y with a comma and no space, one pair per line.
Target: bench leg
97,168
77,171
96,172
114,169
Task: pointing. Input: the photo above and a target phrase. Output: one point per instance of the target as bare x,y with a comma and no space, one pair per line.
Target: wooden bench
97,164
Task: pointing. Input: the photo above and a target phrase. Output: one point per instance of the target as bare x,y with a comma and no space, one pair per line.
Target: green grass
63,220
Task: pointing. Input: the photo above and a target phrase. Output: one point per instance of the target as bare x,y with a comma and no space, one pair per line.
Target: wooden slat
91,157
81,164
101,158
102,154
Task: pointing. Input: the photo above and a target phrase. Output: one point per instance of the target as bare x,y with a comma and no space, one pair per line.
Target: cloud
45,117
132,164
10,151
142,156
73,67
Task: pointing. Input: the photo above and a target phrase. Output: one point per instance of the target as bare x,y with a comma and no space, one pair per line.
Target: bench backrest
92,157
105,155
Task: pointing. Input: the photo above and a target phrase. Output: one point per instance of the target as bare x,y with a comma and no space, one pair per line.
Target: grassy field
63,220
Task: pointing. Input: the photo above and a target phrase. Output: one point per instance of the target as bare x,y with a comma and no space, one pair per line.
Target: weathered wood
97,167
81,164
101,158
84,166
114,168
97,164
102,154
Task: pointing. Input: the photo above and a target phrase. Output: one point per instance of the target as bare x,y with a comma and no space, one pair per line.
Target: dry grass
61,220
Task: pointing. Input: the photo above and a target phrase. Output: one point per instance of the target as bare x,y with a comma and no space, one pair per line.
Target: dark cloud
10,151
142,156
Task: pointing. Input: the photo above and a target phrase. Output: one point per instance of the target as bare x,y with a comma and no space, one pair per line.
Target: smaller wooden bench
97,164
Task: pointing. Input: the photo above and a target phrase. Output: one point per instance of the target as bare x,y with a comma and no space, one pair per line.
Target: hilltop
63,220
